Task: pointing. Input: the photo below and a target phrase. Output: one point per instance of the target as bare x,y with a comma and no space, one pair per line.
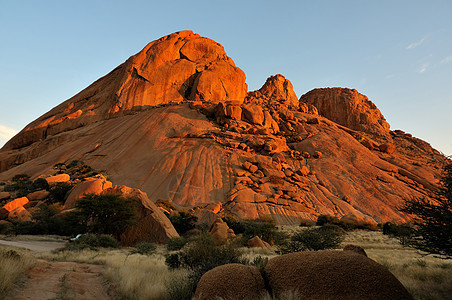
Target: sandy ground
63,280
38,246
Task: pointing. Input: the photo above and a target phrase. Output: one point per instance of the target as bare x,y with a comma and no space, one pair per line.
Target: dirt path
38,246
63,280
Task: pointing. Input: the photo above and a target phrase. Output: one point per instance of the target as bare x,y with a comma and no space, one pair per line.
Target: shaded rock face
179,66
332,275
231,281
349,108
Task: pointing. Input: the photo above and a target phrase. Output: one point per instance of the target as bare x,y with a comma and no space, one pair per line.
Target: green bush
402,232
104,214
144,248
202,255
176,243
59,191
314,239
22,185
345,224
263,228
92,241
20,177
182,221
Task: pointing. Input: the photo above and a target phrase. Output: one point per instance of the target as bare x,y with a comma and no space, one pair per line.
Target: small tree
433,219
106,214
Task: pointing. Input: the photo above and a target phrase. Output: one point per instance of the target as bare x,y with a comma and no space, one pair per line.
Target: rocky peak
180,66
276,89
349,108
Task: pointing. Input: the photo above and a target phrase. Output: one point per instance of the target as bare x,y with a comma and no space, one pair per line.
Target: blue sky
398,53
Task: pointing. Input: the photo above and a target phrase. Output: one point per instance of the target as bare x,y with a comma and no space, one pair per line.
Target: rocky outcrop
231,281
332,275
95,185
349,108
276,89
152,224
177,67
299,165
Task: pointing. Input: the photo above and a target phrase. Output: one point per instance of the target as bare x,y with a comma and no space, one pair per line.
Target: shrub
182,221
59,191
202,255
166,204
92,241
20,177
144,248
23,186
176,243
433,219
314,239
403,232
105,214
263,228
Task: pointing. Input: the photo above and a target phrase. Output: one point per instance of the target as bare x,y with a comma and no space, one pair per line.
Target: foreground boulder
152,226
332,275
231,281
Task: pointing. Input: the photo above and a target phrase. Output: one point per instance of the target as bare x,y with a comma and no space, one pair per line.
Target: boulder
256,242
58,178
19,214
10,206
349,108
220,231
387,148
231,281
270,123
332,275
303,171
93,185
152,224
205,217
253,114
38,195
4,196
214,207
356,249
308,109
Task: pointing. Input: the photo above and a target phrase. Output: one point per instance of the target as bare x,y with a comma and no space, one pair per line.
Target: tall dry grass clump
142,276
13,265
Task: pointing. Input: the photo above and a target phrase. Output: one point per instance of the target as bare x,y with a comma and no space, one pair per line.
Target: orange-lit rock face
177,67
277,88
10,206
348,108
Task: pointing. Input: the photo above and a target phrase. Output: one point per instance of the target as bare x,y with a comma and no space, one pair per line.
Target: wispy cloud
447,60
415,44
423,68
6,132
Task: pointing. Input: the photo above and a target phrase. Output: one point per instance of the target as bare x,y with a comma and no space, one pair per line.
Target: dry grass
13,265
425,276
147,277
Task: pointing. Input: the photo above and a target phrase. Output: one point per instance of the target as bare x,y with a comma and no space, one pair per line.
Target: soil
63,280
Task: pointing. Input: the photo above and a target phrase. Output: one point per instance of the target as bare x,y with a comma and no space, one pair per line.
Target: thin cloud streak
423,68
415,44
447,60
